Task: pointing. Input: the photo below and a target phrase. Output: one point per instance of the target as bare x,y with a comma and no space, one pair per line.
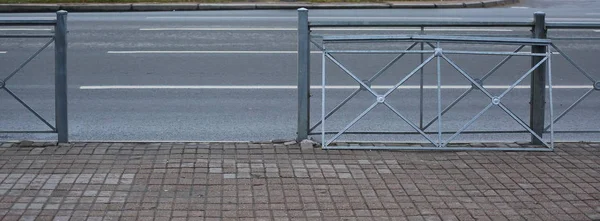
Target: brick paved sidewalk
200,181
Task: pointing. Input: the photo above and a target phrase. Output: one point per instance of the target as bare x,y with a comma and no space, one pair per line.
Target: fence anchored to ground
59,38
540,74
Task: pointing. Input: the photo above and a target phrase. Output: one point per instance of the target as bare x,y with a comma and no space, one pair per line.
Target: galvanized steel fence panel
59,38
540,73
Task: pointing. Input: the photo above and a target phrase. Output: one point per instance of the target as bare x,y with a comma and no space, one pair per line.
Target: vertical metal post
303,75
438,53
60,78
323,84
538,80
549,78
421,84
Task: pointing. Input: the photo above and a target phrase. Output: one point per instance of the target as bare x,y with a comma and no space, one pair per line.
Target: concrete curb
95,7
164,7
29,7
244,6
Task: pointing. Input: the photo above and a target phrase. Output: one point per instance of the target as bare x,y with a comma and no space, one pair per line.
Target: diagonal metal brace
495,100
473,87
28,60
375,76
29,108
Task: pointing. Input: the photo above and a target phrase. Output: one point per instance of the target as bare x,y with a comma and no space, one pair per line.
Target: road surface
231,75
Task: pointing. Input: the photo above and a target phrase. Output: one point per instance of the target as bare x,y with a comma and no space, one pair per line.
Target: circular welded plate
495,100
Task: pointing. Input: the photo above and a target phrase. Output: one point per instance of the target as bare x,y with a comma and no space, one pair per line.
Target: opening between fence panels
431,95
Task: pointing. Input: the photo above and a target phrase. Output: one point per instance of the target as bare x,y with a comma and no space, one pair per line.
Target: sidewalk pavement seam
120,7
272,181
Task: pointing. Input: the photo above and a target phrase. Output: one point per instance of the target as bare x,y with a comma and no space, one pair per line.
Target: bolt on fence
59,38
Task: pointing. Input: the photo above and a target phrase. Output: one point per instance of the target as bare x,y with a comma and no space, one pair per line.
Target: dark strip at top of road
245,6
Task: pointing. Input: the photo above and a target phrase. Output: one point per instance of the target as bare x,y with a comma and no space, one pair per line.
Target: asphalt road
230,75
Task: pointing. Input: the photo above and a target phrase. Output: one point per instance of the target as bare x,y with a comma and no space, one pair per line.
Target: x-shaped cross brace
497,100
595,86
12,94
476,83
379,98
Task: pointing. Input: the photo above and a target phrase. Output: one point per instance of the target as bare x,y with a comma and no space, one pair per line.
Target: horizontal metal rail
28,22
25,36
529,149
28,131
452,132
549,25
416,24
430,51
574,38
417,133
436,38
572,25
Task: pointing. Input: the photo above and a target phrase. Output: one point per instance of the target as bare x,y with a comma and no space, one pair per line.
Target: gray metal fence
593,80
59,38
541,50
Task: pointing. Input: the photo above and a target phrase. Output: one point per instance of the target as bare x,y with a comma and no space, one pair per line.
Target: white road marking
313,17
596,30
25,29
207,52
325,29
293,87
519,7
2,52
156,141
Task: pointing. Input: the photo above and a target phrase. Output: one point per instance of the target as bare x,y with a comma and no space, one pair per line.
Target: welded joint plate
496,100
2,84
438,52
366,82
478,81
597,85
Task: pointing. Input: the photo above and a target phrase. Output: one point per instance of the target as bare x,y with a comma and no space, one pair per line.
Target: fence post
303,75
538,80
60,78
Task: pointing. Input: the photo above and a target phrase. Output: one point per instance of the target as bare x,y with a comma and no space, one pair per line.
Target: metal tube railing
538,80
539,42
28,22
60,71
303,75
539,29
438,53
572,25
59,37
321,24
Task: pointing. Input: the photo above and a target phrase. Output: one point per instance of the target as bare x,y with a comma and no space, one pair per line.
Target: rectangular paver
250,181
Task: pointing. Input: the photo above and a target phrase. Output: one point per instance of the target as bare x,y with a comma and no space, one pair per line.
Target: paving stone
170,181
